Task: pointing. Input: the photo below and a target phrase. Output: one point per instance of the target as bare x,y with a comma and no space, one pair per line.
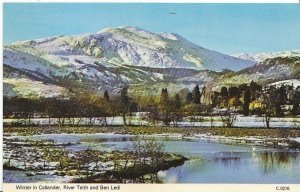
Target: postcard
151,96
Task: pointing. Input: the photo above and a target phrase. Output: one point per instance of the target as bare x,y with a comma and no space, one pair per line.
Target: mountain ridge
133,46
114,57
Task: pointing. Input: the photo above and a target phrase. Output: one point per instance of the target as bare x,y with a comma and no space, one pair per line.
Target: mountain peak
171,36
245,56
109,29
128,45
142,32
128,30
126,55
291,53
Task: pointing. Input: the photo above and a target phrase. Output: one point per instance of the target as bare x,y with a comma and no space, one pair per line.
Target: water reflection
228,158
150,178
107,139
187,173
209,162
272,161
128,138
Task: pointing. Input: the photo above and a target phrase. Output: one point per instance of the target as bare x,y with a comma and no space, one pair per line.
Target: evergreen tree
189,98
165,106
269,97
175,115
247,97
224,96
255,90
106,96
296,102
203,90
106,106
152,108
233,92
177,103
164,100
124,103
280,95
243,87
224,92
215,98
196,95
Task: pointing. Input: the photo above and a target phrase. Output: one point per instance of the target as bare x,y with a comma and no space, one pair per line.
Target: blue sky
228,28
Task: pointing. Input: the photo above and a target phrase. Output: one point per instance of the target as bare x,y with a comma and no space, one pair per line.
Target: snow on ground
291,82
27,87
25,61
296,139
251,122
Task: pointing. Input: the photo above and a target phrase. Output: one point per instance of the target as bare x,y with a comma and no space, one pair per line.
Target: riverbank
44,159
140,130
102,154
276,137
279,138
135,173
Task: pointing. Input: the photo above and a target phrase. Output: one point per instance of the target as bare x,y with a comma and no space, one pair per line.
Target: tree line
77,108
246,99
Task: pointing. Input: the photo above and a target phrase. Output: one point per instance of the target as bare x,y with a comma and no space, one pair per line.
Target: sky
227,28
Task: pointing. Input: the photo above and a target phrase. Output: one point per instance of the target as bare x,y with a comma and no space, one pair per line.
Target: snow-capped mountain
264,56
112,57
270,68
128,46
283,54
245,56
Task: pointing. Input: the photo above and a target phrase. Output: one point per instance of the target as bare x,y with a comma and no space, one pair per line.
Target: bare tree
148,152
228,114
228,117
268,101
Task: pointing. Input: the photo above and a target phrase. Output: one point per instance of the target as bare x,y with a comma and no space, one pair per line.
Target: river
209,161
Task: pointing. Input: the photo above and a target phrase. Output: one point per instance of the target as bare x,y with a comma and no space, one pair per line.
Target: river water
209,161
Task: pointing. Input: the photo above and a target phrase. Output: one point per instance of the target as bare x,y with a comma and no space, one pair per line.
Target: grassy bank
138,130
88,165
136,173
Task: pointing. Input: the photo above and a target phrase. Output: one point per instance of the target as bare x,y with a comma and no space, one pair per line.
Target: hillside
114,57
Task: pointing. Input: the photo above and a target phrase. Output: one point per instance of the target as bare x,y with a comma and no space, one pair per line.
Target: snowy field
216,121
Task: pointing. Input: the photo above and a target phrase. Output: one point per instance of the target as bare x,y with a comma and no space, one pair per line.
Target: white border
166,187
152,1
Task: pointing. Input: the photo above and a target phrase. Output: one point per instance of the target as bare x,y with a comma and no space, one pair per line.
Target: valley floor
33,154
